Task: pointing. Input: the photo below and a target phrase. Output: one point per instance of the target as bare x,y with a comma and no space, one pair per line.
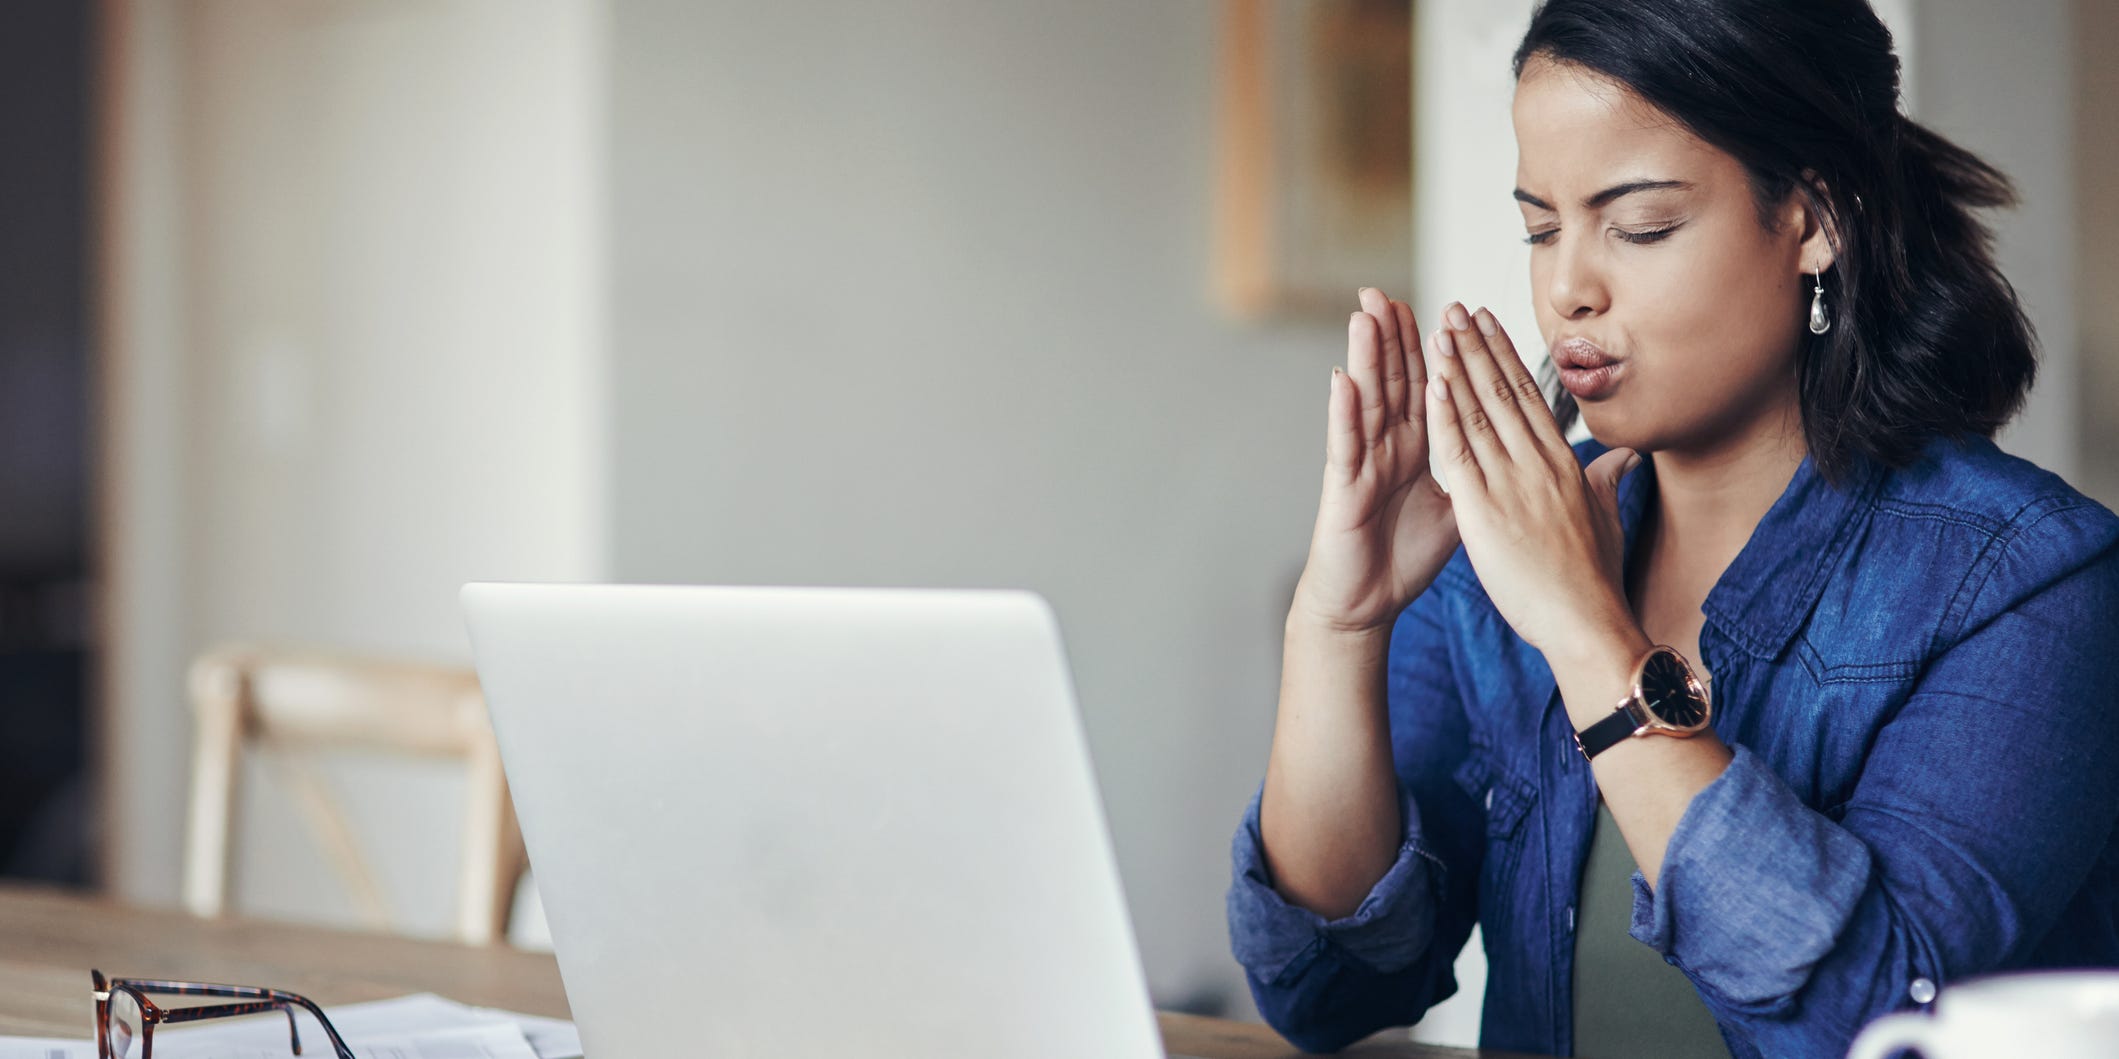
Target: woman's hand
1384,527
1541,530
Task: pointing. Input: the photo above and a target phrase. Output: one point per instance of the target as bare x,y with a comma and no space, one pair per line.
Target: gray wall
1999,80
2096,228
916,294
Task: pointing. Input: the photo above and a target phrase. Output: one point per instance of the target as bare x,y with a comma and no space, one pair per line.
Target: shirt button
1570,919
1922,990
1489,797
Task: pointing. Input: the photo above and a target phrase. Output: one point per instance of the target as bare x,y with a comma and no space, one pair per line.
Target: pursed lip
1580,354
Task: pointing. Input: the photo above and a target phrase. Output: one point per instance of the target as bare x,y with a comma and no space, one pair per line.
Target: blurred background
312,311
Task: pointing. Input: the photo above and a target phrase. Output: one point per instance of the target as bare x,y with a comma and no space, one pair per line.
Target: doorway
44,432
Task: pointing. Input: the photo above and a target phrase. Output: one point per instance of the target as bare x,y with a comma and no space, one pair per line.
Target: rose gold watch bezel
1636,704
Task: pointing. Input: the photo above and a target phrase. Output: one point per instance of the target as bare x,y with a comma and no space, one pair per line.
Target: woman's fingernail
1457,319
1487,323
1445,346
1631,462
1438,388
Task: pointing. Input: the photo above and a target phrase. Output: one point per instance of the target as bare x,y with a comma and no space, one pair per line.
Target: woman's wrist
1335,643
1594,669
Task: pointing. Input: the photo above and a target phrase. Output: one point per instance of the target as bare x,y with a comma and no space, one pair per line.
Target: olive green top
1628,1002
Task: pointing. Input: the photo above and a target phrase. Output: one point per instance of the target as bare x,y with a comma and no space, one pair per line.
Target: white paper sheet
549,1038
495,1040
492,1041
44,1048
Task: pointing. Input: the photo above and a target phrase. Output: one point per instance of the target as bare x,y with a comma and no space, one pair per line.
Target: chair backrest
296,703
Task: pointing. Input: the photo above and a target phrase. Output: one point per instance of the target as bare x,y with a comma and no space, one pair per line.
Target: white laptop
812,822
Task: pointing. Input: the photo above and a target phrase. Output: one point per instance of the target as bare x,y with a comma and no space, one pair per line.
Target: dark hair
1927,337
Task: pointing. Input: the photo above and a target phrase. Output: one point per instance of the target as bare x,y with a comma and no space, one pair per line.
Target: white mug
2051,1014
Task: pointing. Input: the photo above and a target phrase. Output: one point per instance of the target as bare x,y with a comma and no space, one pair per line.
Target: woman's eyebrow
1604,198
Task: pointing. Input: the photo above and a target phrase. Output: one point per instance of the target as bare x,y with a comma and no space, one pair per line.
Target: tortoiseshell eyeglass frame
258,1000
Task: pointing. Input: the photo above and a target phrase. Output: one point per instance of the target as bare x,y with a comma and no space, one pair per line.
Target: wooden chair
297,703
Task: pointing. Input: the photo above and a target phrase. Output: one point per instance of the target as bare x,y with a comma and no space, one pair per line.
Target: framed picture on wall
1313,178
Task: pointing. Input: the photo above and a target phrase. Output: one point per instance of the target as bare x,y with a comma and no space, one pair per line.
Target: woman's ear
1810,210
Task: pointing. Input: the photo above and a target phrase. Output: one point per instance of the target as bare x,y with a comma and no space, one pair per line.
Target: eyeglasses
126,1019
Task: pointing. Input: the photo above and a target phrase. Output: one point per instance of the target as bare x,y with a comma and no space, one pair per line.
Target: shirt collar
1772,584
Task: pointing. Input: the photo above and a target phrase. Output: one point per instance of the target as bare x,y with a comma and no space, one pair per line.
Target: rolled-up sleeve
1387,932
1982,807
1761,883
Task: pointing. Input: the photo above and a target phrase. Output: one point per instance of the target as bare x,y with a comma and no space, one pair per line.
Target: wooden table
50,939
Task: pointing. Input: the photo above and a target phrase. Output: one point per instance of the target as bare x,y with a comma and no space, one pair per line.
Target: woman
1769,299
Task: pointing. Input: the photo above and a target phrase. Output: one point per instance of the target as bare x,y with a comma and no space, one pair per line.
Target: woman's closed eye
1648,235
1652,235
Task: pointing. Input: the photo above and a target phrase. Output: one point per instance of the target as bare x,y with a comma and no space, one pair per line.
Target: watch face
1667,692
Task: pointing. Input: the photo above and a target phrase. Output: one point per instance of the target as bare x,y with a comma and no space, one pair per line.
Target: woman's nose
1575,288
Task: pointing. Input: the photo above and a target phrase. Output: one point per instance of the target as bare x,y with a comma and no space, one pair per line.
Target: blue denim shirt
1918,675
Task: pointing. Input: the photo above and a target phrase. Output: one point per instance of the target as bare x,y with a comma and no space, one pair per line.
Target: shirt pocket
1506,800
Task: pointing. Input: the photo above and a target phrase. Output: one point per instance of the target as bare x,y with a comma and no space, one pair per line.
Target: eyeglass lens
125,1025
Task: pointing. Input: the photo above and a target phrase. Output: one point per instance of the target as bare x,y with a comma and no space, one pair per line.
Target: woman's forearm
1329,816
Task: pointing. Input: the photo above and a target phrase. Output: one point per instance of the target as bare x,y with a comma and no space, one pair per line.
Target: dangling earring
1818,322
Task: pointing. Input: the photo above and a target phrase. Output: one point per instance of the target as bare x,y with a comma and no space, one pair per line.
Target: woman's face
1675,280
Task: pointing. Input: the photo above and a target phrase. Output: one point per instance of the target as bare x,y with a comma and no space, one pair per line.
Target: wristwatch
1666,699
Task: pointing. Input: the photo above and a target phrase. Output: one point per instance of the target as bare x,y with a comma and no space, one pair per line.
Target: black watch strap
1607,733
